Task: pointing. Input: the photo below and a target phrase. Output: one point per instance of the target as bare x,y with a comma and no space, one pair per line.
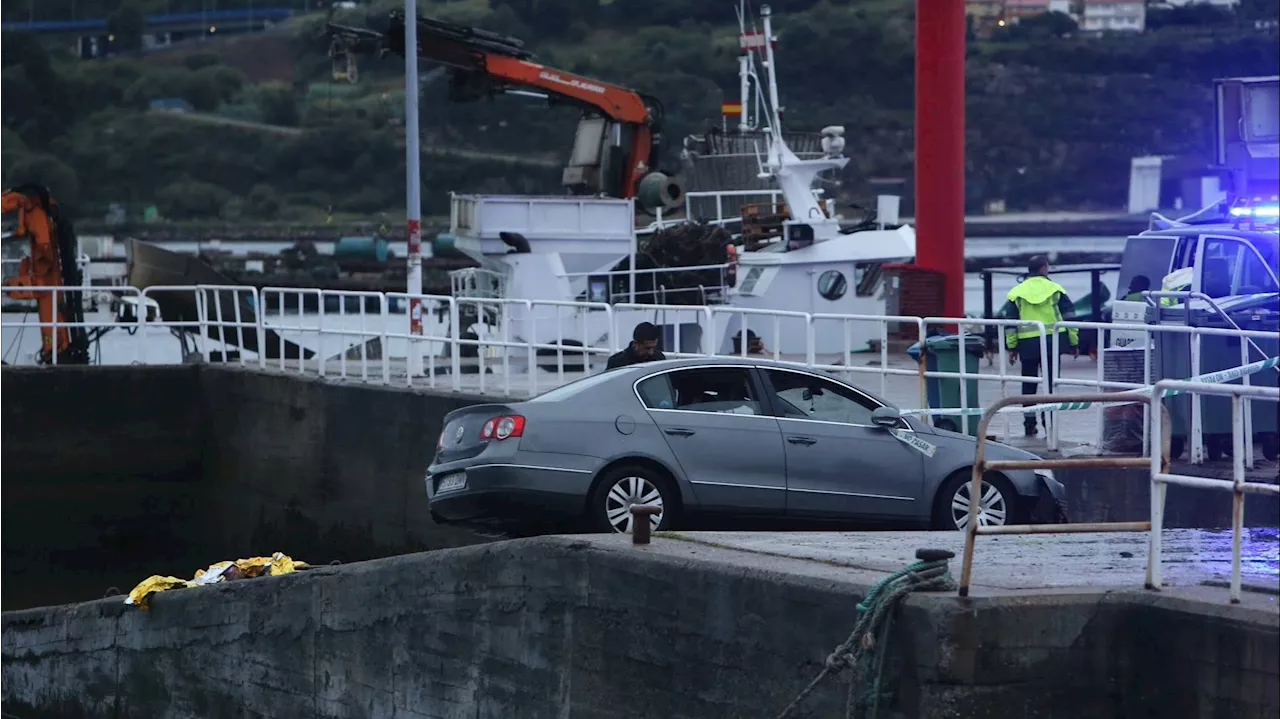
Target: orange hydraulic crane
52,263
619,137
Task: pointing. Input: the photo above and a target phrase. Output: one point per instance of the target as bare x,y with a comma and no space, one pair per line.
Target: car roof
636,371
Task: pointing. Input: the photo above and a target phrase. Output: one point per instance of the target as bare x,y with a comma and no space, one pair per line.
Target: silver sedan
749,438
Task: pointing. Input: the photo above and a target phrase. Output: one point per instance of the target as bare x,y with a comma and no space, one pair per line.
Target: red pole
939,195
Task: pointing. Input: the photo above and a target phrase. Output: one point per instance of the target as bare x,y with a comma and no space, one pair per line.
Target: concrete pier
116,473
709,626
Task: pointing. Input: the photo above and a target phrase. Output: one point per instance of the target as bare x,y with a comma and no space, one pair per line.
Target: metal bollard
640,514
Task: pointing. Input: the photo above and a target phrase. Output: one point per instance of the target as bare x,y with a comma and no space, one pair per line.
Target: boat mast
775,110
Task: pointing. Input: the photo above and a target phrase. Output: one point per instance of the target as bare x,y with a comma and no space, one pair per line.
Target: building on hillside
1114,16
1228,4
1170,182
1016,10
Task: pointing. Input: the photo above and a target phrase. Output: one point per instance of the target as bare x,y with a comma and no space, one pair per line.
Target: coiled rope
864,650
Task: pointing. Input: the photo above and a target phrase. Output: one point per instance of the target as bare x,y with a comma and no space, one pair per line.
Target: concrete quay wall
116,473
569,628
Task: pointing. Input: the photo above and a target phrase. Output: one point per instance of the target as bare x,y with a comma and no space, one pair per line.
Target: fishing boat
790,253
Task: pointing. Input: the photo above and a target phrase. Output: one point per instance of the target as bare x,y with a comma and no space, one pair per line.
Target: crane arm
51,263
483,64
497,62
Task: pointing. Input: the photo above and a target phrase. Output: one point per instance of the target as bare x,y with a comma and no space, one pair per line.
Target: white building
1229,4
1114,16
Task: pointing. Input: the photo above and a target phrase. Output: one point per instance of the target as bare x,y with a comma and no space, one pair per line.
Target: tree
192,198
44,170
277,104
127,25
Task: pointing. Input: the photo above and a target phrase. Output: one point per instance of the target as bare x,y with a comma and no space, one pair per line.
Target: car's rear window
572,389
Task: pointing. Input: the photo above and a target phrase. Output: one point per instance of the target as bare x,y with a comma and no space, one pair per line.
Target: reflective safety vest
1176,281
1037,301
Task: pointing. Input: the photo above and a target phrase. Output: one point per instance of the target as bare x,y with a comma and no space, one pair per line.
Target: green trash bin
942,354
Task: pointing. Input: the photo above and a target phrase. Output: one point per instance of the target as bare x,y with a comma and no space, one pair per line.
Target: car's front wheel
997,505
609,509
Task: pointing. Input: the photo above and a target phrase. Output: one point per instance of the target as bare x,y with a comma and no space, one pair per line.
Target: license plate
451,483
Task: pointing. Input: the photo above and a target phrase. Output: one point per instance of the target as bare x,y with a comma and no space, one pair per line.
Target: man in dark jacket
643,347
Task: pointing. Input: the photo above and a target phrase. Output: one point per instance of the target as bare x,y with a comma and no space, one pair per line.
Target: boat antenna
775,110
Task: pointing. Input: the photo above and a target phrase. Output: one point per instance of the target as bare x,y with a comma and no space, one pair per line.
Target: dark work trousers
1030,359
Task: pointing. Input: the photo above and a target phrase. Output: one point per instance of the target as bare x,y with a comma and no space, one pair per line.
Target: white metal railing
774,197
1162,477
1250,351
659,293
364,336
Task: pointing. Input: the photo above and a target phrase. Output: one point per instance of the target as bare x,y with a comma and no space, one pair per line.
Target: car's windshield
572,389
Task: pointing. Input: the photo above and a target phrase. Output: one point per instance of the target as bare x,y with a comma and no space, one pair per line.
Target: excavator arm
619,138
52,263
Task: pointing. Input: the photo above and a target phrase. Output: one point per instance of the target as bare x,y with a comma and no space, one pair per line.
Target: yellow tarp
273,566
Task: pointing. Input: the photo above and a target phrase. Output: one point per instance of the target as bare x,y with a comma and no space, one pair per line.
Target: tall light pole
413,179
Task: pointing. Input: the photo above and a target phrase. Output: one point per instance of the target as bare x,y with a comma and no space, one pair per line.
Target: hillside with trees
1053,117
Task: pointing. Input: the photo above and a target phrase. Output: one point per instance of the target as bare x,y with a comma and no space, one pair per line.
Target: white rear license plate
451,483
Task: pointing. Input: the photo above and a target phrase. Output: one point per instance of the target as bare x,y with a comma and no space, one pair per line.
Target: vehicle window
1218,266
701,389
1255,276
656,392
803,396
1232,267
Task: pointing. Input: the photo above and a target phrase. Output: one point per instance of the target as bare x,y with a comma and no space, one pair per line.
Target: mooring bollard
640,514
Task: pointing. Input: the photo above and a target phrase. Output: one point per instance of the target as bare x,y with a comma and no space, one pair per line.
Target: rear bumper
509,493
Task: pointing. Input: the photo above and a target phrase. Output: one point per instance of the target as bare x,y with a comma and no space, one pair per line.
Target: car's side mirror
886,417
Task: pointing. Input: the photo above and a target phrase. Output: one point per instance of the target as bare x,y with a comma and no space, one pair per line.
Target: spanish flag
731,109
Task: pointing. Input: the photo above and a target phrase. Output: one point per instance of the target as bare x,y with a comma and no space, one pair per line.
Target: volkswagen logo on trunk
457,436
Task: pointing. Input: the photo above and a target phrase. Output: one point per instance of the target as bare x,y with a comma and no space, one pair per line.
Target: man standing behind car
643,348
1037,299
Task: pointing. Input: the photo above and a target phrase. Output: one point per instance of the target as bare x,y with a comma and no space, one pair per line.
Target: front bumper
508,493
1051,505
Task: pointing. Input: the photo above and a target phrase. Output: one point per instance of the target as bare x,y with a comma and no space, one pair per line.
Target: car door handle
802,440
679,432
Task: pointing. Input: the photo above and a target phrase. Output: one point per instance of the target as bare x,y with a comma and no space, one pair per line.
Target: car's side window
803,396
701,389
656,392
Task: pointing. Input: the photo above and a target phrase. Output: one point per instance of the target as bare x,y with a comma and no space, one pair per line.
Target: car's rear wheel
998,504
609,509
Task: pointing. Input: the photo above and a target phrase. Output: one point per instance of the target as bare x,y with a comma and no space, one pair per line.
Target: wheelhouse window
804,396
723,390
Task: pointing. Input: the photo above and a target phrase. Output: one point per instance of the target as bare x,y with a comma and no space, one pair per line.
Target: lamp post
413,179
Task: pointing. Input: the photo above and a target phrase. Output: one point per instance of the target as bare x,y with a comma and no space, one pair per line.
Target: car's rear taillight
440,442
503,428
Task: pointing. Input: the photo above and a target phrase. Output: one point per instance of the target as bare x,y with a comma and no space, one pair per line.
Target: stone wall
559,627
322,470
102,478
116,473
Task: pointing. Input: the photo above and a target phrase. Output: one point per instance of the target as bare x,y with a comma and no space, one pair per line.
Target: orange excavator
51,264
619,136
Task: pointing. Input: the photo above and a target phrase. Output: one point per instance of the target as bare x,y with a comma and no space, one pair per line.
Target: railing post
1155,572
1237,495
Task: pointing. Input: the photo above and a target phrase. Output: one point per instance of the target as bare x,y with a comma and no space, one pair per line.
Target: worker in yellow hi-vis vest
1177,281
1037,299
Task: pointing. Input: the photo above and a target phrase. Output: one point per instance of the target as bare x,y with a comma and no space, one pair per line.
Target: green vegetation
1053,118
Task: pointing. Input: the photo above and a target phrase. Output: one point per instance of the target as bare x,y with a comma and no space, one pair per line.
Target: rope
863,651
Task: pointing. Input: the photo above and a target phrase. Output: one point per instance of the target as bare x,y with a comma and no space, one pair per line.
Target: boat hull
152,266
